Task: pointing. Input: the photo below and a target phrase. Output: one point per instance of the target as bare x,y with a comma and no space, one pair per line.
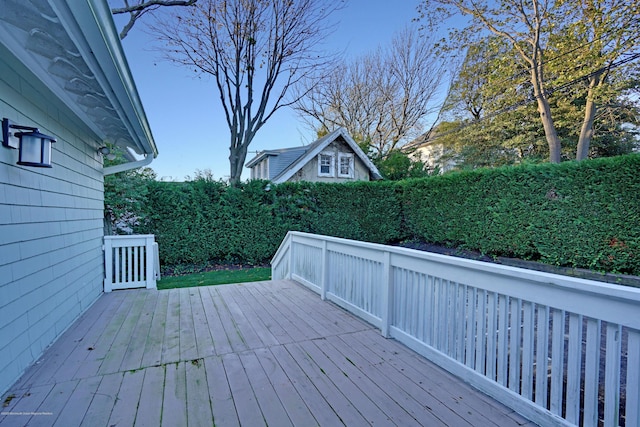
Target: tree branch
137,10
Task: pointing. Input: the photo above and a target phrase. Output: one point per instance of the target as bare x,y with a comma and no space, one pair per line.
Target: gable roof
73,48
285,162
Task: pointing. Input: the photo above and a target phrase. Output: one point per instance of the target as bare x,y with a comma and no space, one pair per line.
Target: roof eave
72,48
110,65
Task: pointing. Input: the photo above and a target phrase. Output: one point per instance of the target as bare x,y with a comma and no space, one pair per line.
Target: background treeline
579,214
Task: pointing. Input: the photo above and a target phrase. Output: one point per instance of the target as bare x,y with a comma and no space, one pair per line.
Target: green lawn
218,277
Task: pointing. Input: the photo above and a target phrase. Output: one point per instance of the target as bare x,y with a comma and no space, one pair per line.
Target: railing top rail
577,285
130,237
283,245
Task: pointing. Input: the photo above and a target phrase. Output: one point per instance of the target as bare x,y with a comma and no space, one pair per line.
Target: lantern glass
35,150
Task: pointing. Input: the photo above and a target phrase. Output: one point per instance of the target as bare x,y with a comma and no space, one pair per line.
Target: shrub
582,214
574,214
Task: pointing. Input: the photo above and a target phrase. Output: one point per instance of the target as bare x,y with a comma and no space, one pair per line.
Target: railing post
324,273
290,277
150,263
108,265
156,261
387,295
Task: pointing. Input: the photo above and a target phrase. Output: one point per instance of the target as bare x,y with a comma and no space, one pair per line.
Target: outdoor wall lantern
106,153
34,148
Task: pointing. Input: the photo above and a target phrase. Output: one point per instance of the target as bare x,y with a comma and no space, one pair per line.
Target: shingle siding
51,228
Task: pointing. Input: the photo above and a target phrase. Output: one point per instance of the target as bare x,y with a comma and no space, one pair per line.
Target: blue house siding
51,225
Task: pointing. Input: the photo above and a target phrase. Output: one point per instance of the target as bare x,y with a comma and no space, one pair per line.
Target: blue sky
185,113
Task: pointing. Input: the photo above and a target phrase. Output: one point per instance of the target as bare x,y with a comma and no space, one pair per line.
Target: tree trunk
545,116
550,133
586,131
235,163
237,156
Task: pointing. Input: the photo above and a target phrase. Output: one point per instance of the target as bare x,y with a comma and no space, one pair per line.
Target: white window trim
352,166
332,165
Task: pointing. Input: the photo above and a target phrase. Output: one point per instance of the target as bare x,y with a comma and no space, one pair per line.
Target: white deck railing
559,350
131,262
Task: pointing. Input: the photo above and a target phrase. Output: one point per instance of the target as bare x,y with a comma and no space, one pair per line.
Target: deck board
221,344
243,397
293,403
79,400
224,411
204,341
174,402
198,403
132,357
187,334
171,338
130,387
52,406
352,405
312,387
273,412
288,331
263,353
244,302
149,411
233,335
154,342
63,357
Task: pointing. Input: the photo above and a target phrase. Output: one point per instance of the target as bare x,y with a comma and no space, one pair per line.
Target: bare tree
256,50
138,8
382,98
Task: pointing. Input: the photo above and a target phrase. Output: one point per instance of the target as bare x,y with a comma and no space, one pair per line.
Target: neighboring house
63,71
333,158
426,149
433,154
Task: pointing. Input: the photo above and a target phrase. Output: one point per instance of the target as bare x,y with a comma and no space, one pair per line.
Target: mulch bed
619,279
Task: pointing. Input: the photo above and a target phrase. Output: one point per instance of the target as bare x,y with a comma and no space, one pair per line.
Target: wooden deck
264,353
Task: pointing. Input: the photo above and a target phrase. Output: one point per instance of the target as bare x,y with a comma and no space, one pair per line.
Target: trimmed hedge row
202,221
583,214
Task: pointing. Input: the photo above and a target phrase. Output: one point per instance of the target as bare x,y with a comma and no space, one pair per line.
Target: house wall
309,172
51,225
431,155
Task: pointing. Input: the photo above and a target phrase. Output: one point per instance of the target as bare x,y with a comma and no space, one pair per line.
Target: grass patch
218,277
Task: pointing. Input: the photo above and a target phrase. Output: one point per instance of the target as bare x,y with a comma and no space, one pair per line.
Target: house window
325,164
261,170
345,165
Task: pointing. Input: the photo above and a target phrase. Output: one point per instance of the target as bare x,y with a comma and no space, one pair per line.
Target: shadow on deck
263,353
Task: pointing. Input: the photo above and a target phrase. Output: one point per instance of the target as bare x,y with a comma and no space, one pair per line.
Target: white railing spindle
529,339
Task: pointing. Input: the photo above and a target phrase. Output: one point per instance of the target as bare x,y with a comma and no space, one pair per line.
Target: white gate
131,262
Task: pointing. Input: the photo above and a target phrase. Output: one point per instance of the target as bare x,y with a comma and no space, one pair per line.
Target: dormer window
345,165
325,164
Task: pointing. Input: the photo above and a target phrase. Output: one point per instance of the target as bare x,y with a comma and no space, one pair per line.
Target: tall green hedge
584,214
201,221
